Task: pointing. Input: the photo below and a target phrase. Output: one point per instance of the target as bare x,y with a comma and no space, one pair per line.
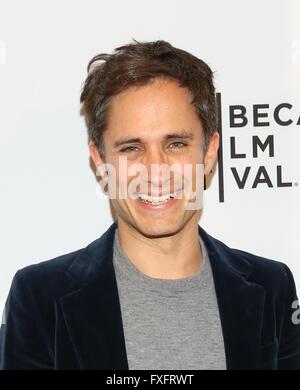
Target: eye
178,143
129,149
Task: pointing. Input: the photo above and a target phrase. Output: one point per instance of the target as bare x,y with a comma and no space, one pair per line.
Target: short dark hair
137,64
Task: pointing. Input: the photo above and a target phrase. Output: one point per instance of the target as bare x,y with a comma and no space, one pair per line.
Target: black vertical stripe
220,151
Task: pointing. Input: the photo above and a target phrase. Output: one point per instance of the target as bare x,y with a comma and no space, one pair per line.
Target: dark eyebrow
123,141
181,134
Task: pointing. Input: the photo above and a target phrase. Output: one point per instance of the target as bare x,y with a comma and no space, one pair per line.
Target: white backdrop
49,204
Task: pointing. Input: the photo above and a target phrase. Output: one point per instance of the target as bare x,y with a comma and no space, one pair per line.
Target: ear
95,155
211,154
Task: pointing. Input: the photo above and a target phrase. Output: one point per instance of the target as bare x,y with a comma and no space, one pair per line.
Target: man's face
150,125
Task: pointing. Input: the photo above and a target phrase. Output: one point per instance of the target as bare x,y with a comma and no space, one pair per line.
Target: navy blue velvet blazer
64,313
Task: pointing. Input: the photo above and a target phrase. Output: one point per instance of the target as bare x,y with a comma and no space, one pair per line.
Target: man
155,291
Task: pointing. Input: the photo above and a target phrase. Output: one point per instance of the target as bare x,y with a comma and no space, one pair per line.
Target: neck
172,257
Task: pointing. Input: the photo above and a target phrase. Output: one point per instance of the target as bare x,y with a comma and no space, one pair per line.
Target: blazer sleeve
24,340
289,345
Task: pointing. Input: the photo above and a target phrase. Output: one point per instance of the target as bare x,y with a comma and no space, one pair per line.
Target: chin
156,230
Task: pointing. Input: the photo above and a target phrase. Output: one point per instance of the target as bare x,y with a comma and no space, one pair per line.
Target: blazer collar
93,315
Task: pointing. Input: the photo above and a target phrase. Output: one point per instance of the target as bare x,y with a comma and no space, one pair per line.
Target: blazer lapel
241,304
92,313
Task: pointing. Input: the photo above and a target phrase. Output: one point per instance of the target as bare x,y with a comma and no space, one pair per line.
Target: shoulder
45,279
60,275
274,274
264,266
50,267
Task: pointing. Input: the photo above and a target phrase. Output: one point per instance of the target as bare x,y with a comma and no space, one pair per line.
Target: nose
157,167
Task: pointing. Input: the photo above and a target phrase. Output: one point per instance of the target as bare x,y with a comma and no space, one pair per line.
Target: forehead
152,110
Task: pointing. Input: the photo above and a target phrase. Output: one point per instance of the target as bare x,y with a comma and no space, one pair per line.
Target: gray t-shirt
169,324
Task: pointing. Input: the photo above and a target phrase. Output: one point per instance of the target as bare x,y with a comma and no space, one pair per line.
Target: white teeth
156,200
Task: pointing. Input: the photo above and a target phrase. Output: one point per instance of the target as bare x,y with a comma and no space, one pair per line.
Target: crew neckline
125,269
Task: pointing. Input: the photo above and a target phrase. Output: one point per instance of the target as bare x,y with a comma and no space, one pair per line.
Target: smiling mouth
157,200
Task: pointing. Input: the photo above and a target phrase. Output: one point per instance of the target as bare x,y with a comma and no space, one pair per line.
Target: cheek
193,159
194,163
